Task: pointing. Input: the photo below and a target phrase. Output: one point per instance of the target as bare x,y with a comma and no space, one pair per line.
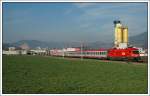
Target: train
130,53
120,51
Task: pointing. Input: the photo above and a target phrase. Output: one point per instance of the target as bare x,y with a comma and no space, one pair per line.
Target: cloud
100,19
115,11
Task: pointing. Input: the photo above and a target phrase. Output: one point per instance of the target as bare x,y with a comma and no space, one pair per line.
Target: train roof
129,48
93,50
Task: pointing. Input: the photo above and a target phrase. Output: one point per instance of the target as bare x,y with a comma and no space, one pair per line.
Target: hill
140,40
33,44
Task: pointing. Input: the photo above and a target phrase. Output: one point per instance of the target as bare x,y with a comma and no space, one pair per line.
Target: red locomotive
123,54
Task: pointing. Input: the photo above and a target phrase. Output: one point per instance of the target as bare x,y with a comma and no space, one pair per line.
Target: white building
23,52
15,52
37,51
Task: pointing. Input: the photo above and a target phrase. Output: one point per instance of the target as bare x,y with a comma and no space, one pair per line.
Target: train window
104,53
136,52
85,53
89,53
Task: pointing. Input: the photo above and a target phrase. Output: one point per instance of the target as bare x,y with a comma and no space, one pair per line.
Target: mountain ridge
140,40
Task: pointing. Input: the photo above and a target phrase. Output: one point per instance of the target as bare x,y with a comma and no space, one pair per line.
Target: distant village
24,49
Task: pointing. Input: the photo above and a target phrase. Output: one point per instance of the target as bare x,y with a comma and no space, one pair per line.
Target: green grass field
37,74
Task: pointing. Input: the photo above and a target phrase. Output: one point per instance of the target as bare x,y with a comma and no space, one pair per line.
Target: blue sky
73,22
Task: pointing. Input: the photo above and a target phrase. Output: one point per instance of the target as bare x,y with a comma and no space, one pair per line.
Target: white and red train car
101,54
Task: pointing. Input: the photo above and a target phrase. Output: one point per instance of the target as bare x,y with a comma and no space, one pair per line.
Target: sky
70,22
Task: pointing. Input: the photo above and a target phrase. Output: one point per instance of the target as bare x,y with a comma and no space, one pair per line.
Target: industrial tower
121,35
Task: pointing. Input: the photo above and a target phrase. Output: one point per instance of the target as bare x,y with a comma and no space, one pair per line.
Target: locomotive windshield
136,52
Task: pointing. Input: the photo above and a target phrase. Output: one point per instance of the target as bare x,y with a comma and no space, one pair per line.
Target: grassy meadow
48,75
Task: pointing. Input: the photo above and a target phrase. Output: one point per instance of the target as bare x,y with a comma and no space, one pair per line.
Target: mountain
43,44
140,40
6,45
100,44
36,43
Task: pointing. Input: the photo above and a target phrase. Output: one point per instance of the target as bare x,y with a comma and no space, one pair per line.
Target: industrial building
121,35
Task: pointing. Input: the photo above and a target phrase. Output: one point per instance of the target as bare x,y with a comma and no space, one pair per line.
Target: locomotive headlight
123,53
